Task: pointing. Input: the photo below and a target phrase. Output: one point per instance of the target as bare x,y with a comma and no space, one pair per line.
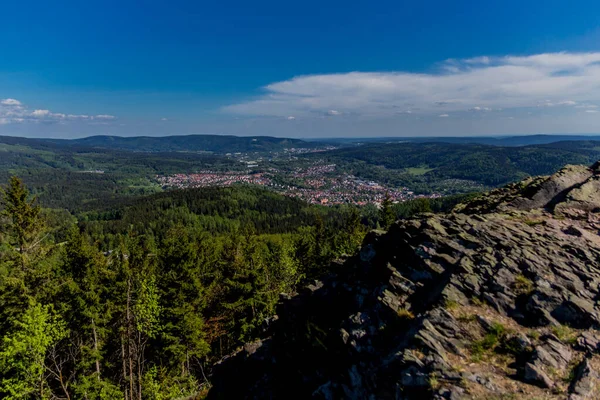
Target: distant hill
436,166
523,140
222,144
188,143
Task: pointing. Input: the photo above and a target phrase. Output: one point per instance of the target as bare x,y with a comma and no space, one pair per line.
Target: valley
326,173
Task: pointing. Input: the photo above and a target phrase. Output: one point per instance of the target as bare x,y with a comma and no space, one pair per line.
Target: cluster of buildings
211,178
304,150
319,184
345,189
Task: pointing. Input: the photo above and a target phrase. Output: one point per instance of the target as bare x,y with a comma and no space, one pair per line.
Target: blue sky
301,69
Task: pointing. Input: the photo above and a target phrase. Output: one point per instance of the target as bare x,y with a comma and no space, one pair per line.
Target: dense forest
457,167
138,301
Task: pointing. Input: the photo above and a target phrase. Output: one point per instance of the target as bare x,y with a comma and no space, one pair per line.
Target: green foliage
451,304
533,334
433,381
523,285
386,214
456,167
23,215
92,388
565,334
490,341
23,352
158,385
147,308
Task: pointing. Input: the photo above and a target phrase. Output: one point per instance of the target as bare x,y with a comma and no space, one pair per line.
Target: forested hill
139,302
525,140
218,210
427,165
188,143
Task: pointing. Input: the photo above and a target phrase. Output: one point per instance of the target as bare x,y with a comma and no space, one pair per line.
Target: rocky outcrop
498,297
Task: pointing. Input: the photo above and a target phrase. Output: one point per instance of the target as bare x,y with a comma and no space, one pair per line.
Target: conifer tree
183,299
23,215
386,213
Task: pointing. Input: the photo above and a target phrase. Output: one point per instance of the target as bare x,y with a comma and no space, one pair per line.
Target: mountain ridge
175,143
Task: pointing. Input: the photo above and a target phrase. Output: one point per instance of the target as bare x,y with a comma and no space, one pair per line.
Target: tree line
146,317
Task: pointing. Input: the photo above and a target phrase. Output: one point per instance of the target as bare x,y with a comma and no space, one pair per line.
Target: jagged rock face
498,298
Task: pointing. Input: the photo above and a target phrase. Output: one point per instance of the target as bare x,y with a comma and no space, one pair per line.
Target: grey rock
534,374
585,383
589,341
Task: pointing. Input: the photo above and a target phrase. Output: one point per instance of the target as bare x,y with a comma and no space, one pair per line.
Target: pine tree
183,299
386,213
24,222
86,306
22,256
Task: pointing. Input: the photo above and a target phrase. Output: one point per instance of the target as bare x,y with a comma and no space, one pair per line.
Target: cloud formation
10,102
481,84
13,111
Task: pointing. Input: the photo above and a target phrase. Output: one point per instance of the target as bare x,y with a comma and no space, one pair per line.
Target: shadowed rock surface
496,300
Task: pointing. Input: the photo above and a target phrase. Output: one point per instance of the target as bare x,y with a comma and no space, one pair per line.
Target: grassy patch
476,302
403,313
418,171
522,285
565,334
451,305
465,317
533,334
434,382
490,341
533,222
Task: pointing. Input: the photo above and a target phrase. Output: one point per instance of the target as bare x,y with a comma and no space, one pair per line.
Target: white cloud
478,60
477,84
103,116
40,113
591,111
76,117
443,115
164,119
549,103
291,118
13,111
10,102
